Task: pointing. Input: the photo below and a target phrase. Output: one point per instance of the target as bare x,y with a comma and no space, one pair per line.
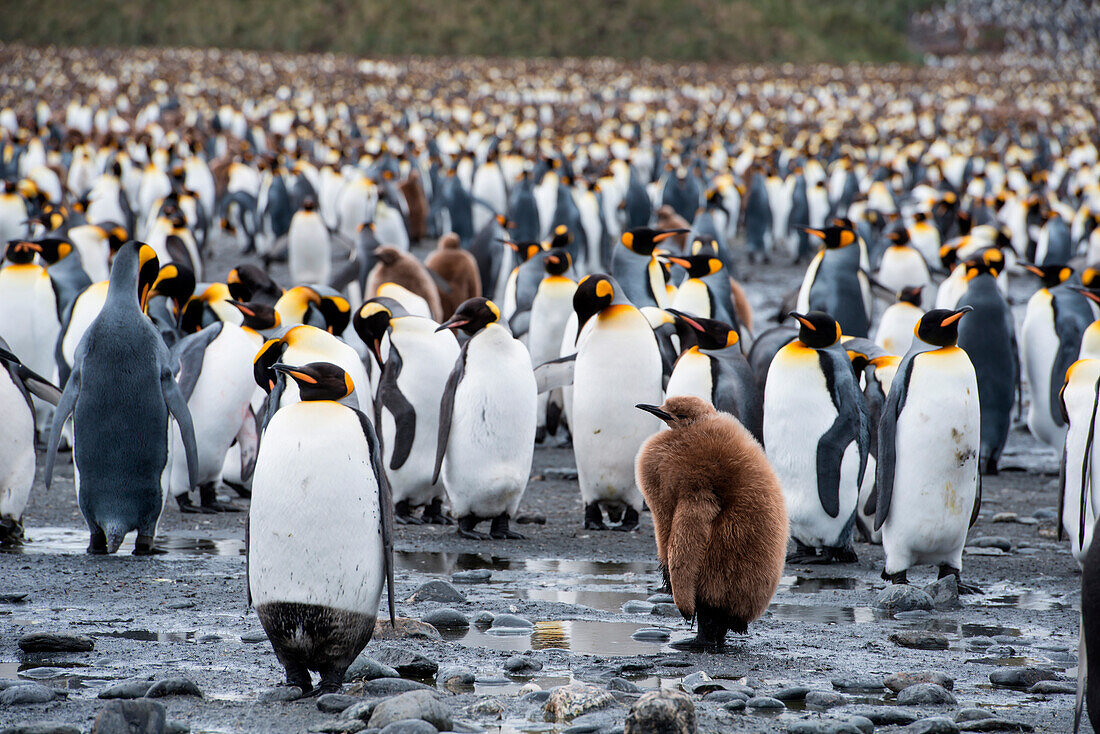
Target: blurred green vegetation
705,30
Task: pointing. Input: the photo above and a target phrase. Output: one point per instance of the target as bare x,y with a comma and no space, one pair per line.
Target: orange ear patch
604,289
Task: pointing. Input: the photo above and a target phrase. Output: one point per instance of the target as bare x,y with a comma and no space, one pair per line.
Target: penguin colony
585,288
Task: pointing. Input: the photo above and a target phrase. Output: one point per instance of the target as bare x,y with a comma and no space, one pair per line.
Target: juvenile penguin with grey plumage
120,395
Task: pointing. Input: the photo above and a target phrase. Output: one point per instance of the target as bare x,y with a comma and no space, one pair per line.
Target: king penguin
929,490
636,269
550,311
835,282
817,436
121,393
487,423
895,328
1080,475
320,530
414,373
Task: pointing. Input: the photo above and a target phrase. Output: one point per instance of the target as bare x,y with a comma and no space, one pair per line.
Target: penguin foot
242,491
97,544
433,513
208,498
838,555
615,513
466,529
946,571
143,546
216,506
298,677
593,517
895,578
190,508
699,644
402,514
803,556
11,533
500,530
629,521
540,434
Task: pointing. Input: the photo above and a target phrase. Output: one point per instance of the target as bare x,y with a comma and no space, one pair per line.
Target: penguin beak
376,349
687,319
1095,297
802,320
654,410
242,307
956,316
453,323
679,261
295,372
669,233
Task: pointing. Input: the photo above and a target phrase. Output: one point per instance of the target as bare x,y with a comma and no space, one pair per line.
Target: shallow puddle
148,635
54,541
823,614
579,636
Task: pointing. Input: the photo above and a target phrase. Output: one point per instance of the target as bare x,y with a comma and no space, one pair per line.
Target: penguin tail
115,537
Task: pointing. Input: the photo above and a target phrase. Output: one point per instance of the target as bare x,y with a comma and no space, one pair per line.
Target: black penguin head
834,237
54,249
899,236
1050,275
319,380
257,316
709,333
249,282
1090,277
643,240
940,327
524,250
472,316
176,282
336,312
309,204
556,263
263,364
949,256
698,266
116,237
818,329
704,247
910,294
371,322
680,410
562,237
21,252
594,293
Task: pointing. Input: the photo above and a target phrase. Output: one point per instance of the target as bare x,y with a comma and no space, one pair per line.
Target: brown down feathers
458,268
395,266
718,511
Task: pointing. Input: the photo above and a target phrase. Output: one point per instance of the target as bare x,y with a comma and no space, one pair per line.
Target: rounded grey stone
825,699
128,689
473,576
446,618
665,711
437,590
26,693
925,693
173,687
765,703
636,607
933,725
409,726
904,598
522,665
334,703
55,642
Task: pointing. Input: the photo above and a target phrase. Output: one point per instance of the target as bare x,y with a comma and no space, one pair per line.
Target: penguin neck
122,289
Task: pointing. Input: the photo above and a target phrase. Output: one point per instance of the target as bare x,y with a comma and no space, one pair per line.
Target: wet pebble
995,724
26,693
737,704
925,693
652,634
665,610
791,693
1045,513
334,703
43,673
1053,687
1004,651
338,726
1020,677
437,590
446,618
920,640
522,665
983,551
766,703
42,727
866,683
674,662
409,726
453,677
944,593
623,685
365,667
883,715
991,541
386,687
825,699
591,723
914,614
127,689
536,696
254,637
972,714
724,696
473,576
131,717
824,726
979,643
532,518
279,694
406,661
1011,640
568,702
1005,517
666,711
483,618
423,705
933,725
173,687
635,606
487,707
904,598
900,681
635,665
55,642
406,629
511,623
527,688
660,599
564,474
361,710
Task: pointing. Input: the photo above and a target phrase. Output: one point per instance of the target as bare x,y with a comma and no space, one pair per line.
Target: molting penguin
618,364
457,269
120,394
414,374
395,266
486,423
718,515
817,435
320,530
929,490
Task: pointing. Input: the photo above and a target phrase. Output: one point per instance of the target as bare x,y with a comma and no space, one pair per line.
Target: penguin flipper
1082,667
385,506
446,410
189,353
850,426
689,533
393,400
64,409
247,543
555,373
248,440
977,503
177,406
34,383
887,440
520,323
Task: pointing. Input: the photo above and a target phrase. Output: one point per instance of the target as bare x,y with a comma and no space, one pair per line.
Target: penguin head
910,294
257,316
319,380
148,271
176,282
949,256
556,263
899,237
709,333
309,204
1050,275
704,247
680,410
698,266
54,249
817,330
263,364
594,293
833,237
449,241
336,311
247,281
562,237
940,326
524,250
371,322
1090,277
21,252
472,316
133,272
643,240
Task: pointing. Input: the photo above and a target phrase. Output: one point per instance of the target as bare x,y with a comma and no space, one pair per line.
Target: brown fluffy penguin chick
417,201
667,218
458,269
395,266
718,514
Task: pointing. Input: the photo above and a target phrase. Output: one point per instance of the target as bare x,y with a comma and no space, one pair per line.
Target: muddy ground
184,613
